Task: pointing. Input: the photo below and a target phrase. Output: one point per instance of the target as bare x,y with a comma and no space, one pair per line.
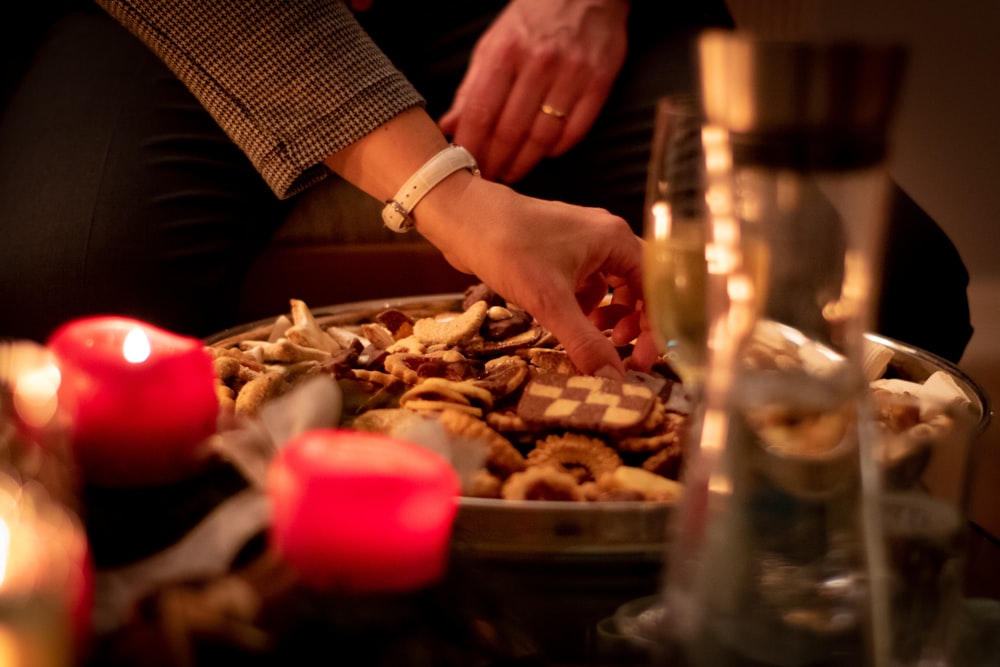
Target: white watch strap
396,213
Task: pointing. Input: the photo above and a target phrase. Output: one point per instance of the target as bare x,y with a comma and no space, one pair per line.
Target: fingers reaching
536,83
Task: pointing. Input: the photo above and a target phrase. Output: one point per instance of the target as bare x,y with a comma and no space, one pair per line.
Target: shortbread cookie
653,487
412,368
502,458
256,392
666,462
667,433
586,459
542,483
451,331
463,392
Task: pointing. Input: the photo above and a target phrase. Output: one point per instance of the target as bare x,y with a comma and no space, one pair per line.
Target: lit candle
362,512
141,399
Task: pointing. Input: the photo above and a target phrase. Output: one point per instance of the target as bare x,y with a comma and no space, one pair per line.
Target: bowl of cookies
568,480
553,462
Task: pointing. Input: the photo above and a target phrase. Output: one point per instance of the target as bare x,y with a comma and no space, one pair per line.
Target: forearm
290,81
381,161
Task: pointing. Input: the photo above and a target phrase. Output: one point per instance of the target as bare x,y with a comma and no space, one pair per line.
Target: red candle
362,512
142,400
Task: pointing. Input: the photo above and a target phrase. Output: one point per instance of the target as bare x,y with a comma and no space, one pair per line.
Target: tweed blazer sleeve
289,81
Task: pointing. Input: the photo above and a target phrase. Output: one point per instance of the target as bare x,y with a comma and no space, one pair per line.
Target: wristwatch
396,214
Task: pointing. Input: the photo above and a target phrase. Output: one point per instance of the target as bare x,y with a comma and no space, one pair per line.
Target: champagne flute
675,269
675,281
702,275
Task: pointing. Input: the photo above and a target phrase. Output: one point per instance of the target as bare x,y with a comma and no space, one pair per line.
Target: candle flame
4,549
136,348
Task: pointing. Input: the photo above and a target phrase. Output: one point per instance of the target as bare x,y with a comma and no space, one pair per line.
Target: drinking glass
676,231
925,456
704,273
775,541
45,578
704,270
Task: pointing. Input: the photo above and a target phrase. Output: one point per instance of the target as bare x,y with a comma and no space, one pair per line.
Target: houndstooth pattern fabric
290,81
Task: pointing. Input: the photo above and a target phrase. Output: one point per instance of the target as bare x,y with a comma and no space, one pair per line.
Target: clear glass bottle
775,557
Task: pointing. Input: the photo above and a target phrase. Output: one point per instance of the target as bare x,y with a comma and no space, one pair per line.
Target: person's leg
118,192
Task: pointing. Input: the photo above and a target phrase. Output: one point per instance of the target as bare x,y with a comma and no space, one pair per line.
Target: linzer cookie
586,403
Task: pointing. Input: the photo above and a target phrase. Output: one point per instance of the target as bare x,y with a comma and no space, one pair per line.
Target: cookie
670,431
586,403
502,458
451,331
548,360
503,375
653,487
542,483
584,458
462,392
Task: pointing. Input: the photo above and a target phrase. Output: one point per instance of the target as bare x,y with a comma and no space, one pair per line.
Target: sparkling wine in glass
676,232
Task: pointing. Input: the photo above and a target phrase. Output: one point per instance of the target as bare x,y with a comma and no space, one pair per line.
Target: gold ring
550,110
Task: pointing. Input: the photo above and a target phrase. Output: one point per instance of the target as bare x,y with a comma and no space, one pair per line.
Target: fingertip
591,351
610,372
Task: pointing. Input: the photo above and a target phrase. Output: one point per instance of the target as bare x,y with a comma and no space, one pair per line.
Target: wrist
380,162
459,216
440,215
444,164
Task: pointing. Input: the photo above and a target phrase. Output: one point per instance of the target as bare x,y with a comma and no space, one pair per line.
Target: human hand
555,260
563,53
552,259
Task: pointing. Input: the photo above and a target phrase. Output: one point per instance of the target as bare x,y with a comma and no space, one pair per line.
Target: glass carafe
775,555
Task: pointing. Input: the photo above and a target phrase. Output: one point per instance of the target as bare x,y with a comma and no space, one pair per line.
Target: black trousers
118,193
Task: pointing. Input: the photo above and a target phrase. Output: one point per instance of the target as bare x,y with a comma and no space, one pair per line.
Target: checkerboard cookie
585,403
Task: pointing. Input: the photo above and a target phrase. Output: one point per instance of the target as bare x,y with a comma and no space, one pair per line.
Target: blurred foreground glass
776,555
45,576
925,452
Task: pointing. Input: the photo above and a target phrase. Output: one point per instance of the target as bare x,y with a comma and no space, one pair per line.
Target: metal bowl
561,567
631,531
915,364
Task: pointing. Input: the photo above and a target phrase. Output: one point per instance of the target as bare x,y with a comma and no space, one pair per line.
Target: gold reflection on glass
4,549
742,299
661,220
715,431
